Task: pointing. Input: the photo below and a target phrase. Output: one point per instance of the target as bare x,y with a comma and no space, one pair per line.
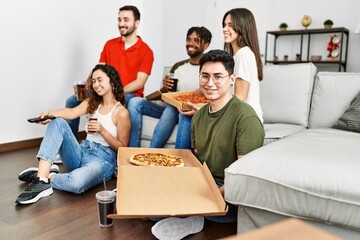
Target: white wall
270,13
48,44
179,16
344,14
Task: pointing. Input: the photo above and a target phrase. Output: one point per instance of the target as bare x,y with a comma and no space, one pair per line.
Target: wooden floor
68,216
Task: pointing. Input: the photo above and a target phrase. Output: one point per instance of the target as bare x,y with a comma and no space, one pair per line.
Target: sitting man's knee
135,103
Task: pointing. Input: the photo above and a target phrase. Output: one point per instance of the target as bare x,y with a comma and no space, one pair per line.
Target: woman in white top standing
241,41
92,161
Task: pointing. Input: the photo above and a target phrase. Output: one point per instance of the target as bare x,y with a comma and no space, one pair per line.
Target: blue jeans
72,102
87,163
165,127
168,119
128,96
183,136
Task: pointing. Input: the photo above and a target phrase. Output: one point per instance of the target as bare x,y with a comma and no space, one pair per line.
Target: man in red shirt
128,54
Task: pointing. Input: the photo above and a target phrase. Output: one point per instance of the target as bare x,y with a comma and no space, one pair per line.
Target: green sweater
219,137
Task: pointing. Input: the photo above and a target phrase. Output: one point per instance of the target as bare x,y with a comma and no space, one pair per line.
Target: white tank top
107,123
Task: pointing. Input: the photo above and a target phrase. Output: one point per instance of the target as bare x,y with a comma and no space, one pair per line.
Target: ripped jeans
87,163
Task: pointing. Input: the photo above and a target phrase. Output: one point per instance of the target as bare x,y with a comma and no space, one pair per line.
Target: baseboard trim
14,146
30,143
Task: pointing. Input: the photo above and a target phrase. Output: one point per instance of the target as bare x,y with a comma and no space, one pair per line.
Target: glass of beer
80,90
93,118
175,82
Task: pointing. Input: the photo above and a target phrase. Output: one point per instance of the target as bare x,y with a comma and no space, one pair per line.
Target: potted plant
328,23
298,57
276,58
283,26
286,57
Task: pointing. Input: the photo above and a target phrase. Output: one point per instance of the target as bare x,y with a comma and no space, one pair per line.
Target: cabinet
303,33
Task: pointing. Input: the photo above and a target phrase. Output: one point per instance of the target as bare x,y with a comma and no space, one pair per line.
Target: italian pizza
156,159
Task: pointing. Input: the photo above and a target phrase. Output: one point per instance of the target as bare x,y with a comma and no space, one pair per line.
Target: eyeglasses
217,79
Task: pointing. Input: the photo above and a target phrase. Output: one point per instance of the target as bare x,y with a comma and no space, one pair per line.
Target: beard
126,31
195,53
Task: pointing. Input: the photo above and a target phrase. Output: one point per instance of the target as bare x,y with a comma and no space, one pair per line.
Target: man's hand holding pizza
194,109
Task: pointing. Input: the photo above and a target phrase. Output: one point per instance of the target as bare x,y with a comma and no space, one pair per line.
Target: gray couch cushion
277,131
312,174
350,120
332,95
285,93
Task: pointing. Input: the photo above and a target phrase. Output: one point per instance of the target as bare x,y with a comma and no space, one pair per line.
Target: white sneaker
174,228
57,159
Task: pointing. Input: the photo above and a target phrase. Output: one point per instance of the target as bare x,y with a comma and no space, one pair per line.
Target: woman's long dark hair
117,87
243,23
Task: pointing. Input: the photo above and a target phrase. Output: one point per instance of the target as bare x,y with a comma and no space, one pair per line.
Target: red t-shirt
137,58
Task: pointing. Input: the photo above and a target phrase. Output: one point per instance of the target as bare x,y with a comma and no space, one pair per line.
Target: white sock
177,228
44,179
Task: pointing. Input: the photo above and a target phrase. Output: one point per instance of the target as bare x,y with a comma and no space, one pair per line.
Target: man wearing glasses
221,132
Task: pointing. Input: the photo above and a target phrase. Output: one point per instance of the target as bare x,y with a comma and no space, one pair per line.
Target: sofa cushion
350,120
312,174
285,93
332,95
277,131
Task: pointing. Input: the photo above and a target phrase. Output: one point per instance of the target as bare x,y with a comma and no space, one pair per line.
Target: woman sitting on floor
94,159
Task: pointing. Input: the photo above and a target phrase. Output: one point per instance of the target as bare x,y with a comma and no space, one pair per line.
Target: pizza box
144,191
153,96
169,98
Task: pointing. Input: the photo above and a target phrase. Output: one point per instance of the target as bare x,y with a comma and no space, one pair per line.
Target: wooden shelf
309,31
341,62
293,61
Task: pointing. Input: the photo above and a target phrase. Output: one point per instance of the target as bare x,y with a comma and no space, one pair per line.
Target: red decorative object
332,45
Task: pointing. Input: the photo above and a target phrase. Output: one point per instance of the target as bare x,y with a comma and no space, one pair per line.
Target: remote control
38,119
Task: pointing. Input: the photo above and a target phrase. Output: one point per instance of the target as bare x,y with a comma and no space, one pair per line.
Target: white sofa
306,169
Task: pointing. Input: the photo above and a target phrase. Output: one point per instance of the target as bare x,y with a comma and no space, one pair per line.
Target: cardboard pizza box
169,98
144,191
290,228
153,96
